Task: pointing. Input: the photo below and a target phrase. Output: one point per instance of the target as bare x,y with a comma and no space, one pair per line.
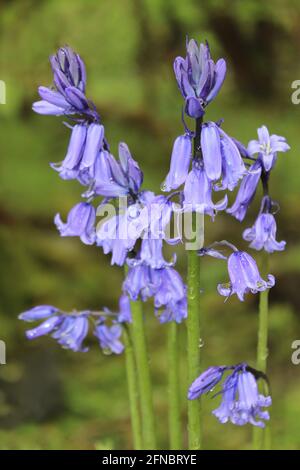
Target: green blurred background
55,399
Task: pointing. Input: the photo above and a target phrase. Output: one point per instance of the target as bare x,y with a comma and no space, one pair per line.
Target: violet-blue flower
115,179
72,332
80,223
241,401
173,311
211,150
206,382
233,167
246,192
109,338
244,277
198,77
119,233
141,281
46,327
180,163
38,313
267,147
198,193
221,157
69,167
170,287
263,234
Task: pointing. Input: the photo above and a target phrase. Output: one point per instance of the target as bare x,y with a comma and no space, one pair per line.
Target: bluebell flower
46,327
109,338
141,281
263,234
38,313
72,332
198,193
130,168
115,179
241,401
198,77
233,167
80,223
69,79
267,147
124,315
69,167
246,192
211,150
85,146
180,163
173,311
206,382
222,158
244,277
69,330
170,287
118,234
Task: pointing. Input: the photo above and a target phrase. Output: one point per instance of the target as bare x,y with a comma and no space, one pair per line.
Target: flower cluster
241,401
150,275
134,233
71,329
204,161
208,160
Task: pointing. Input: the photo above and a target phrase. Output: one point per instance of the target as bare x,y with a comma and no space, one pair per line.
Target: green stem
193,322
173,391
132,391
261,437
144,378
193,339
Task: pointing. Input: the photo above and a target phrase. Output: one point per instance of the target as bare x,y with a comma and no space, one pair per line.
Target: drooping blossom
38,313
114,178
69,330
173,311
241,402
244,277
72,332
198,193
80,223
180,163
109,338
84,149
262,234
221,156
246,192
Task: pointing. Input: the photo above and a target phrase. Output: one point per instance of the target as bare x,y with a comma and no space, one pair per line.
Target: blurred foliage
53,399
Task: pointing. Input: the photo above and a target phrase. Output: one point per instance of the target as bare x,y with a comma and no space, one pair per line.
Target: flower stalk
175,433
144,378
194,327
132,390
261,437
